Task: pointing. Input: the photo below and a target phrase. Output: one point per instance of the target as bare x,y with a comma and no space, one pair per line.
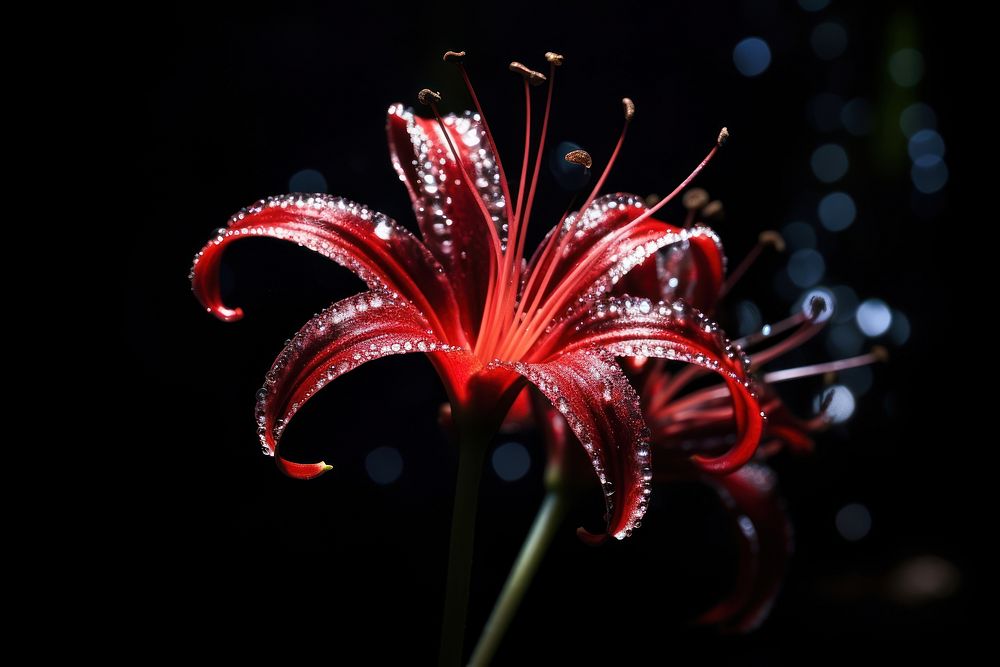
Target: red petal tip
591,539
227,314
301,470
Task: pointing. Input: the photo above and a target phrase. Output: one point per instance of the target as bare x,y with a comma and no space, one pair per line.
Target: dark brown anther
817,306
828,379
428,97
629,106
773,239
713,211
880,353
695,199
581,158
555,58
530,75
723,136
454,56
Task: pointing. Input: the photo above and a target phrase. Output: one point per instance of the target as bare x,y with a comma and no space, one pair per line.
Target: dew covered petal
383,254
636,327
590,390
698,277
349,333
450,219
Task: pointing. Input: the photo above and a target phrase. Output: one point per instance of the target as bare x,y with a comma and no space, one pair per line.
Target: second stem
550,515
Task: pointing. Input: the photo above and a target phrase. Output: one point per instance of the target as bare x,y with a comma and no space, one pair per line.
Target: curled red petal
301,470
764,535
647,279
358,329
693,270
451,220
630,327
702,421
590,390
383,254
698,277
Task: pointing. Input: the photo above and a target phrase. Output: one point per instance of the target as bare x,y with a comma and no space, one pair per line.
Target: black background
238,100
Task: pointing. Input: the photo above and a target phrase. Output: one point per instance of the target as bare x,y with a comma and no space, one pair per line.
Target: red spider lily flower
700,422
686,425
489,320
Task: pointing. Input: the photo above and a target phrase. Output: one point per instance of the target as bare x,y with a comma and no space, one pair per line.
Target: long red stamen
489,135
820,312
676,383
506,285
568,285
538,155
629,115
550,257
719,392
766,238
703,412
723,137
492,297
768,331
494,237
555,61
811,323
488,218
877,354
522,195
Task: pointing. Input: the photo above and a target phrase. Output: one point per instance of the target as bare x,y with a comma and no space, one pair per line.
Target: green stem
471,454
550,515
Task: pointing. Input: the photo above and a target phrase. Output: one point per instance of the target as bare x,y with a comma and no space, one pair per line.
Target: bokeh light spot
752,56
837,211
853,522
924,579
926,147
874,317
931,178
829,162
828,40
384,465
307,180
511,461
857,117
916,117
806,267
839,403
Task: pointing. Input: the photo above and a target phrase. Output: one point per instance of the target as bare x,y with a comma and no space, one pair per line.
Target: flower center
518,308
